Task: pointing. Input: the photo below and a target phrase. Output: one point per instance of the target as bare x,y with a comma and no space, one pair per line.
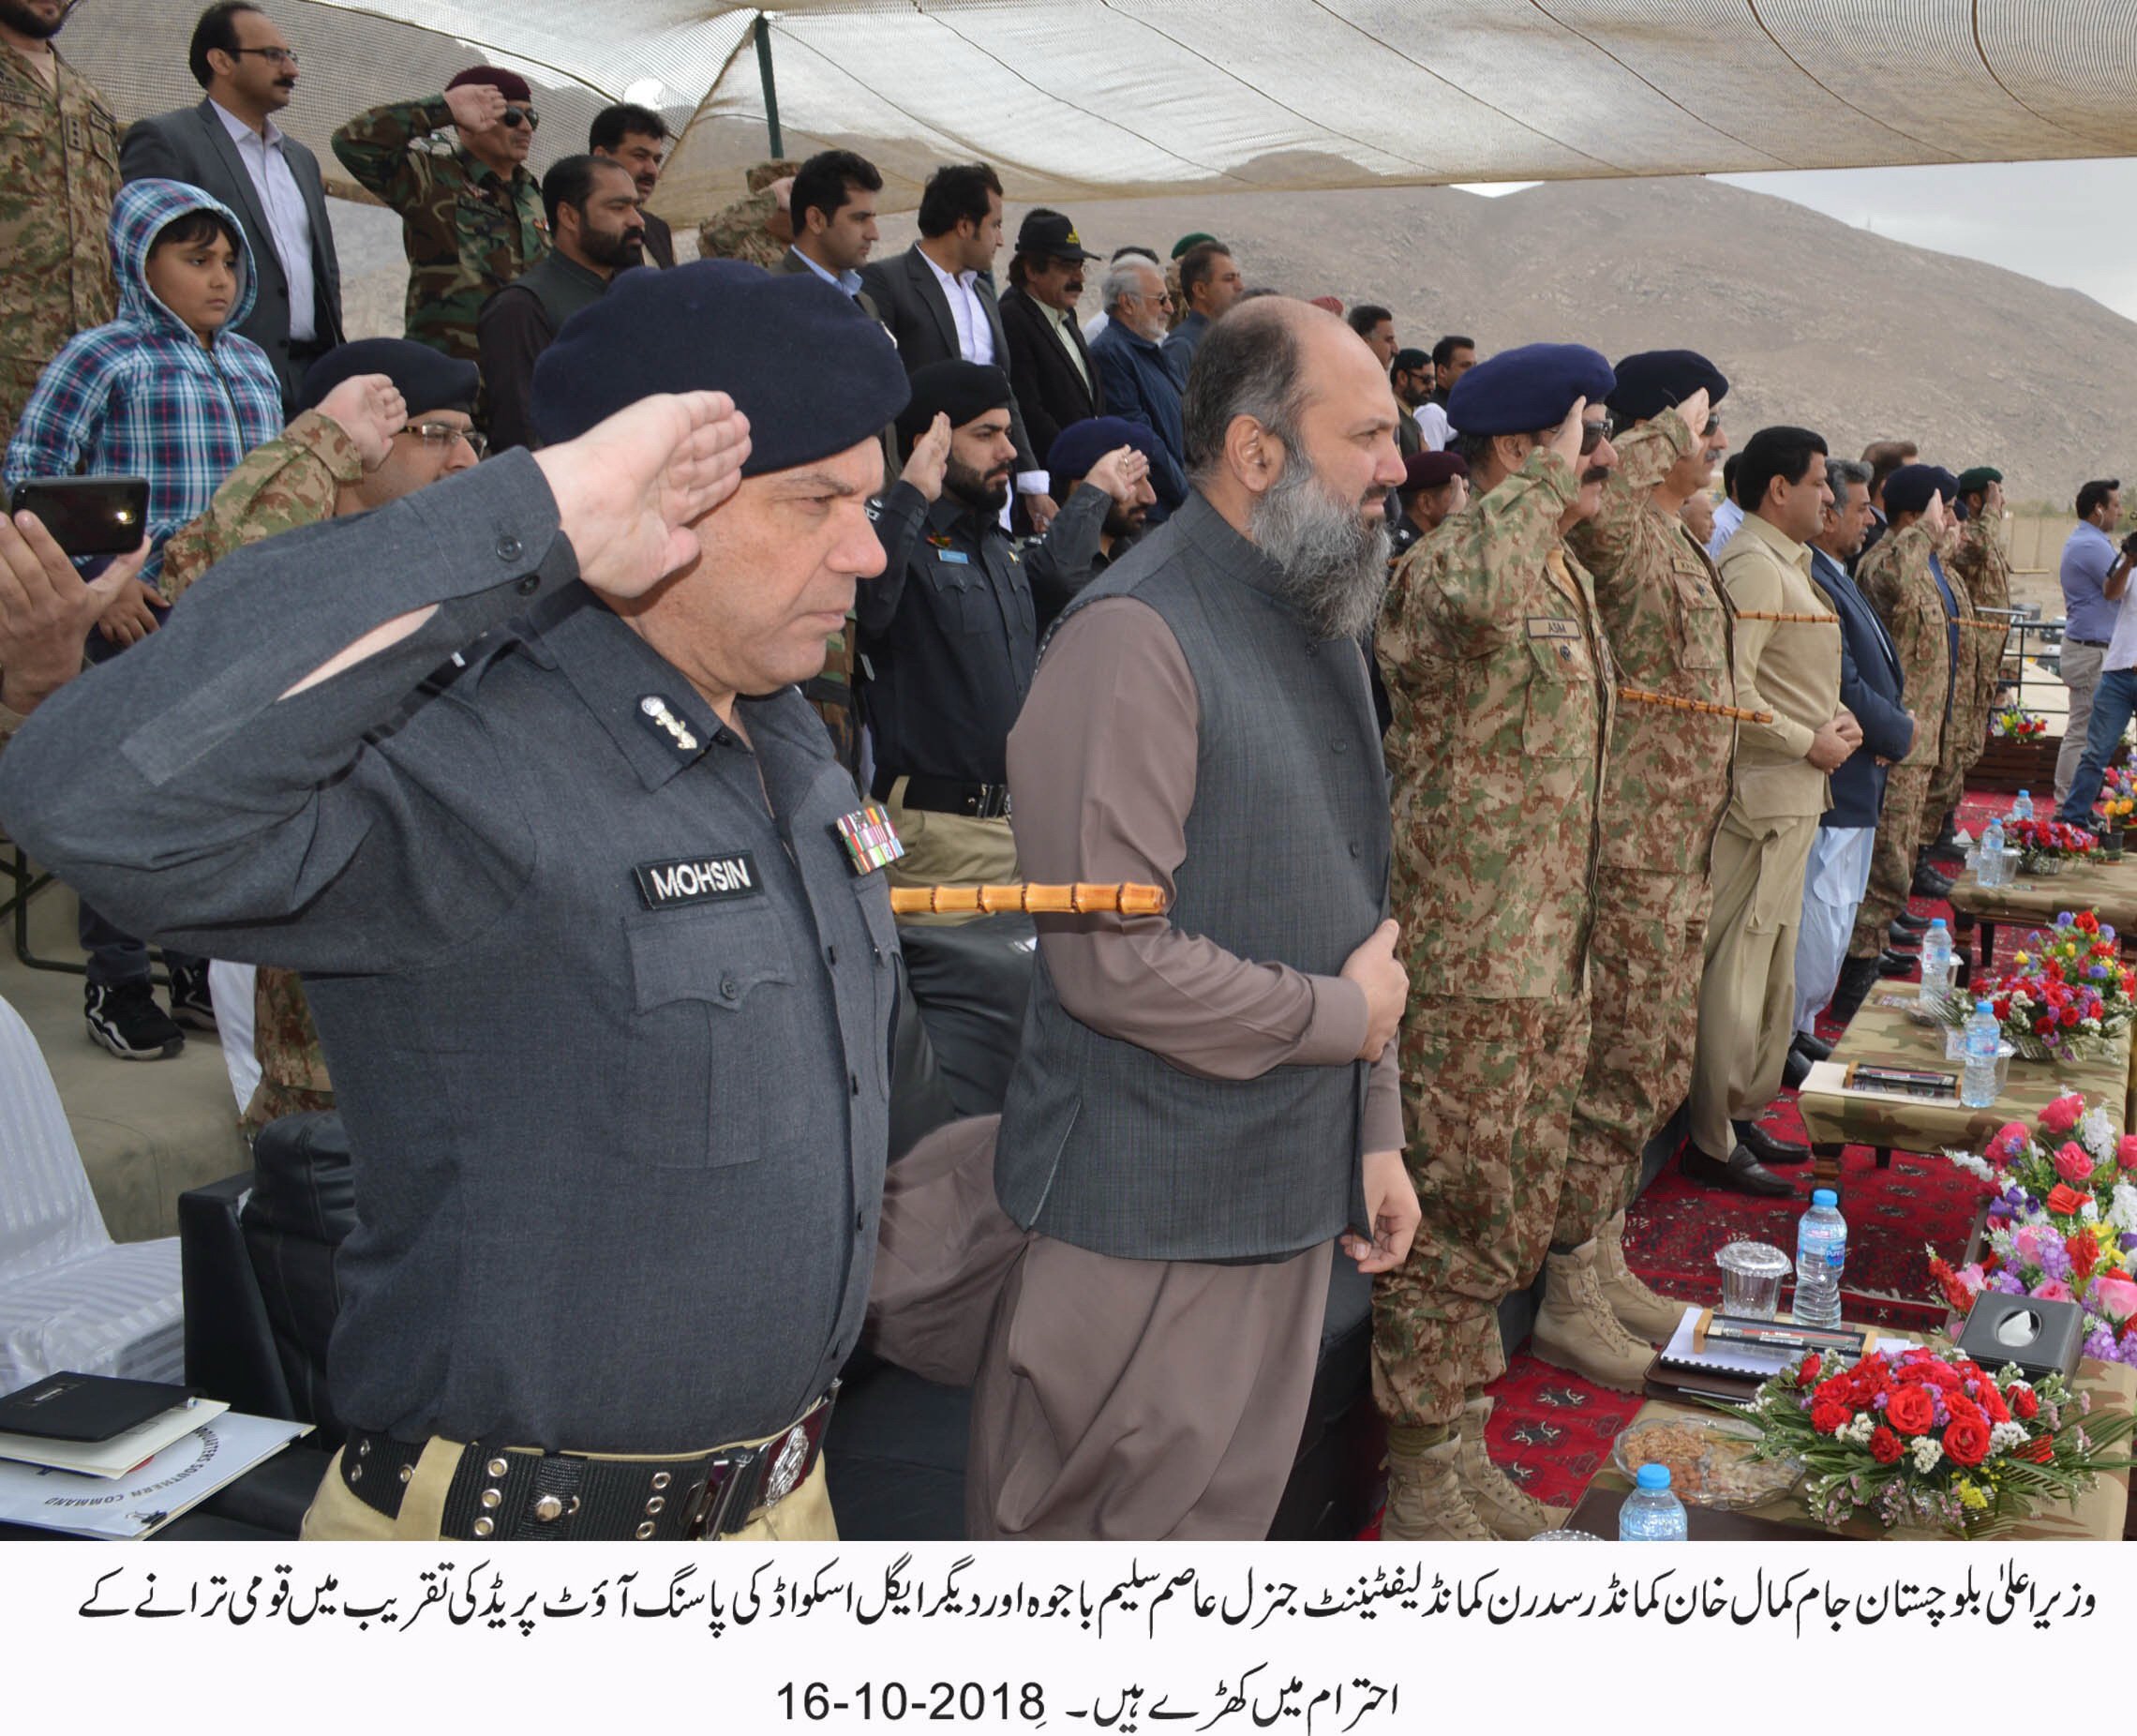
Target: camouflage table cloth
2107,888
1883,1035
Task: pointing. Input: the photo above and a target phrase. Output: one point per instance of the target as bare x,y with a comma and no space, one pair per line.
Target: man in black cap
596,230
1661,807
1410,374
1057,382
591,856
1107,451
950,634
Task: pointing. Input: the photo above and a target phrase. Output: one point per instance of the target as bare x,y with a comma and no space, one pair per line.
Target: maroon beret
1431,469
510,85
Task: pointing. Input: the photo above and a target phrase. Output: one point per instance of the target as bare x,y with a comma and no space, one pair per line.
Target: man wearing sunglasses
1491,646
472,217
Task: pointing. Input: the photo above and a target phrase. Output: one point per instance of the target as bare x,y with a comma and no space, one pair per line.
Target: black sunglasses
1593,434
513,116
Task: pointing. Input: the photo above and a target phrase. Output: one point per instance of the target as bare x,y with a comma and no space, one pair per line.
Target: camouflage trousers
1892,863
1966,733
1488,1088
1644,958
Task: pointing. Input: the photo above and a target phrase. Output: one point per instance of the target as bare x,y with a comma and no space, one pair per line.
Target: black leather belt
979,802
520,1496
2096,644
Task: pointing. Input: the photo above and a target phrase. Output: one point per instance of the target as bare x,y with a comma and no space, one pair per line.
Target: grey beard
1333,560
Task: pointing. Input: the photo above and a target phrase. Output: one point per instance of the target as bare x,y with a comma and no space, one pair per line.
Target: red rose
2070,1016
1809,1371
1911,1411
1884,1445
2088,921
1992,1401
1961,1408
2066,1201
1828,1416
2024,1405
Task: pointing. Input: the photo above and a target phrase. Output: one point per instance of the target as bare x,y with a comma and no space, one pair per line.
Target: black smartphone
87,514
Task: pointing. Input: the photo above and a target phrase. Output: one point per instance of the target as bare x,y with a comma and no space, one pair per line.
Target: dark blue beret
963,391
1082,444
813,374
1907,489
1526,390
1659,380
425,379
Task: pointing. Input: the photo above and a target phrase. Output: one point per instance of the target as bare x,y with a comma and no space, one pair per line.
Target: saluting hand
1936,515
1118,472
924,469
369,409
46,611
476,107
629,488
1566,441
1695,409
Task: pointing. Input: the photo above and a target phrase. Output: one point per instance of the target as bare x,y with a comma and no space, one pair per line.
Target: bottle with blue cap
1652,1513
1977,1071
2023,808
1821,1256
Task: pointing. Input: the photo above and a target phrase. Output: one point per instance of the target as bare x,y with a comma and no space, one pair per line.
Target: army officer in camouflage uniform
59,172
1668,787
1492,651
472,217
1980,572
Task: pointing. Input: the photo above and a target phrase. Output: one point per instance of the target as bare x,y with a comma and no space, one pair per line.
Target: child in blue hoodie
169,391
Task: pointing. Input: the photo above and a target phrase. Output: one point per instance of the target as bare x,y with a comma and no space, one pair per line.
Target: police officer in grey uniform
606,997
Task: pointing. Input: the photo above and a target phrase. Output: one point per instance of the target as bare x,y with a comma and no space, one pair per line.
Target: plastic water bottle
1821,1255
2023,808
1989,856
1978,1074
1651,1514
1937,961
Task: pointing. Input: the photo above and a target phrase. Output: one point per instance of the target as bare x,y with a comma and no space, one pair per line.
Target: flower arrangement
2062,1223
2012,722
2045,847
2068,995
1915,1436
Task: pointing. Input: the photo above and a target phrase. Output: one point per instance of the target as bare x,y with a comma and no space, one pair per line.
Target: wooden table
1883,1035
2101,1516
2033,901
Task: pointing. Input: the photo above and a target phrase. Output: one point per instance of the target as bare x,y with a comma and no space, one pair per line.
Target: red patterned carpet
1553,1430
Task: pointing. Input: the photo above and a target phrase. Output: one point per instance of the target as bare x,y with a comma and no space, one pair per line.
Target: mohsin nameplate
699,880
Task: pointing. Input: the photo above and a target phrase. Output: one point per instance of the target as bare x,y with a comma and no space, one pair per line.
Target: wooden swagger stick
1639,695
1079,899
1762,614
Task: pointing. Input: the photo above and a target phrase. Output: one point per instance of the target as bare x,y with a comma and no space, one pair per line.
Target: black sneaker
125,1018
190,1002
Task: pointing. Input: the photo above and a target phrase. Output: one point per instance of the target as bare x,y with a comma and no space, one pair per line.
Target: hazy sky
2065,223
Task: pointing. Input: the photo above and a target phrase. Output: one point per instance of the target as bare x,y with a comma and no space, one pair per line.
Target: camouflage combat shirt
1668,624
467,230
1502,690
1896,578
59,172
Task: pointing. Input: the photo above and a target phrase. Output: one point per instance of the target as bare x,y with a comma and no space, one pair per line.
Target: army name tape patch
697,880
1551,627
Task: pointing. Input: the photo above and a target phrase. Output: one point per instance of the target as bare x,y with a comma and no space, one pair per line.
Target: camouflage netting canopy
1083,98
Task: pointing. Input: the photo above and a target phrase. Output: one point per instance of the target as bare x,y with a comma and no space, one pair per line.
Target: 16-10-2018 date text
939,1702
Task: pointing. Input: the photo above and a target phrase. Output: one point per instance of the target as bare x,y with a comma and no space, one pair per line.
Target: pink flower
2126,1151
2011,1140
2073,1166
2026,1244
1974,1279
2116,1297
2062,1115
2052,1290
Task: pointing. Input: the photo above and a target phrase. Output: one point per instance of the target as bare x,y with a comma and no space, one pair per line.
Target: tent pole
770,90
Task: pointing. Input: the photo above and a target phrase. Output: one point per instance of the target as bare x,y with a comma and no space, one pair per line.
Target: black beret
1431,469
1659,380
1082,444
963,391
1907,489
1979,478
1528,389
813,373
425,379
1410,361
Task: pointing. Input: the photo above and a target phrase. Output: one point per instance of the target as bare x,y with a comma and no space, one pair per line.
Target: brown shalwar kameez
1131,1399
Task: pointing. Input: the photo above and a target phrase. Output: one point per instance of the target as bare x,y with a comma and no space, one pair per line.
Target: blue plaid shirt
142,395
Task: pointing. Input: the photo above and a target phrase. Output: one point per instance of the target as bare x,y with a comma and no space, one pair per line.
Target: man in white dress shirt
229,147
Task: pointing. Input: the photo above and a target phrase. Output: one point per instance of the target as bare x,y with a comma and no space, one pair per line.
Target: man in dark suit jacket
638,138
1057,382
229,147
1872,688
960,231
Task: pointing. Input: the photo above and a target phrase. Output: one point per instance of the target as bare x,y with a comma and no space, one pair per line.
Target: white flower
2089,1211
1927,1450
1858,1432
2094,1132
1971,1164
2122,1213
2005,1436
